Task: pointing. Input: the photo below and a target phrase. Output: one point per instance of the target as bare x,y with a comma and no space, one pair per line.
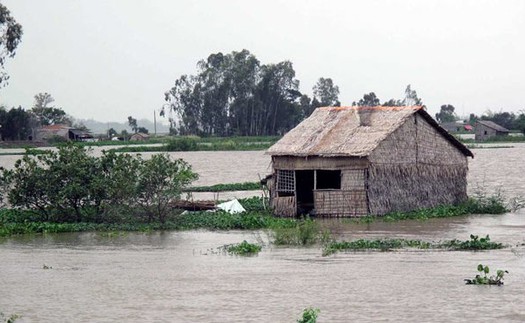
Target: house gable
418,142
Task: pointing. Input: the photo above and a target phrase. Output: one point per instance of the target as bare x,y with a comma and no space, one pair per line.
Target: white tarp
232,206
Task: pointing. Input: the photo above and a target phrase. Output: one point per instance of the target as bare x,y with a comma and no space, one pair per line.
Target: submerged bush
71,185
244,248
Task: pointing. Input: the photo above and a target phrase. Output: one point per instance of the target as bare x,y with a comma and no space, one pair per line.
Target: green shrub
182,144
72,185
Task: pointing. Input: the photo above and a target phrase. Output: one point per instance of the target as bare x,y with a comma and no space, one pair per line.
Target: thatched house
65,132
139,136
355,161
487,129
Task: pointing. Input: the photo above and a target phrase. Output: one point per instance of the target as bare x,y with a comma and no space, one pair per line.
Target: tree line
235,94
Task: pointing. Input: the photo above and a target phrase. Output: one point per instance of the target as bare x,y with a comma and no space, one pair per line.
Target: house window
328,179
285,182
485,132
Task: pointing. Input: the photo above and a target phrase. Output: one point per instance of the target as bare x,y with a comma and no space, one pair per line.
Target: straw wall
340,203
405,188
416,167
284,206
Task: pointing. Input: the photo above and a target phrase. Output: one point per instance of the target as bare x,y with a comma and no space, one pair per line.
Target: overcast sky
107,59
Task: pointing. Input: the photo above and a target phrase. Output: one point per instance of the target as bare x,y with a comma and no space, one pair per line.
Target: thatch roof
350,131
493,125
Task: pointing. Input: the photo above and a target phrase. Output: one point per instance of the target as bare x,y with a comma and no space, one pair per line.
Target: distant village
45,124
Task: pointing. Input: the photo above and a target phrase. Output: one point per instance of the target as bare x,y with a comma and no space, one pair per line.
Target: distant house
66,132
139,137
356,161
488,129
455,127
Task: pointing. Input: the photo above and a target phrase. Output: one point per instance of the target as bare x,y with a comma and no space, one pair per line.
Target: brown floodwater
183,277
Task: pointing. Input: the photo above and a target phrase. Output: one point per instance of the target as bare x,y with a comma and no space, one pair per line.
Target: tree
411,97
368,100
46,114
393,103
233,94
133,124
112,133
446,114
142,130
10,36
326,92
472,119
519,123
504,119
15,124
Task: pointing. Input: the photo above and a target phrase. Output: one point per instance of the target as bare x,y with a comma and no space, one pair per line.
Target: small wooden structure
488,129
356,161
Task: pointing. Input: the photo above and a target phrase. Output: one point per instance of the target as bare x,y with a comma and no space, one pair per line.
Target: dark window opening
485,132
328,179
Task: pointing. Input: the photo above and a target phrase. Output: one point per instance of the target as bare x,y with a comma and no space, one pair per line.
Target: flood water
183,277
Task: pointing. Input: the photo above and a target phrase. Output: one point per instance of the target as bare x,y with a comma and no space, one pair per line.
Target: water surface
182,277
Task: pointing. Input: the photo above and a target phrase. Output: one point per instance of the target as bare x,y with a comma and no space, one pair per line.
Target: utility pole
155,122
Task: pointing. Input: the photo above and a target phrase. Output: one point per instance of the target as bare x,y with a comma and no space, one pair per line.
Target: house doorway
305,183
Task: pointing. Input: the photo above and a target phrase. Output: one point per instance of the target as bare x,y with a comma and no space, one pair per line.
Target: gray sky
107,59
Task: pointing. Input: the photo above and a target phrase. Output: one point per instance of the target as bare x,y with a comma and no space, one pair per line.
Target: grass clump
485,279
306,232
309,315
244,249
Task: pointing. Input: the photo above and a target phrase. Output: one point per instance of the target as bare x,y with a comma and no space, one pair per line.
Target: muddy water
181,277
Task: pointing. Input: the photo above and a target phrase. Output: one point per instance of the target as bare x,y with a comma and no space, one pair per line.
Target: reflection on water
180,277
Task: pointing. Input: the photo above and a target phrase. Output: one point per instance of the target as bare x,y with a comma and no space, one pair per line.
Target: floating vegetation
243,249
309,315
392,244
379,244
485,279
475,243
9,319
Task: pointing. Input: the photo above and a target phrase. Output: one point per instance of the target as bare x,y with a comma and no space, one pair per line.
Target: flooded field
181,277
